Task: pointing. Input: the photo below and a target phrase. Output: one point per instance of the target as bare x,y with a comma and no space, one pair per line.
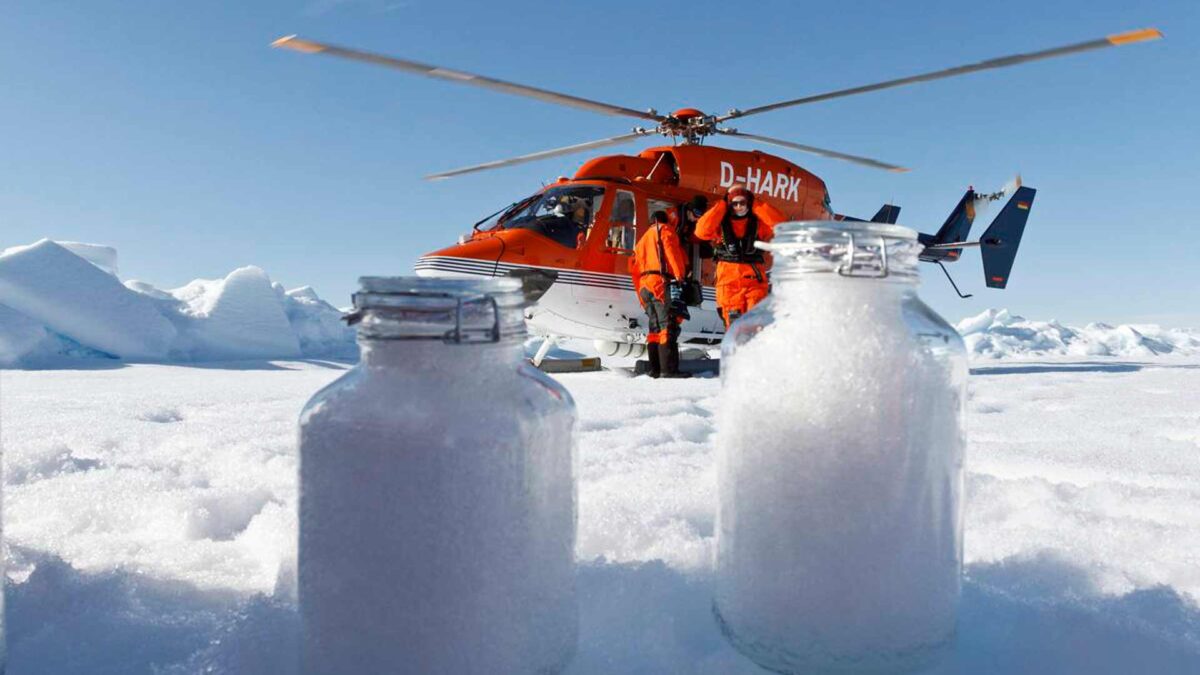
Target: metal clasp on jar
847,269
459,336
455,336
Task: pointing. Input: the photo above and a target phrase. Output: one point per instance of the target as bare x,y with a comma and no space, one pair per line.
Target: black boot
653,353
670,361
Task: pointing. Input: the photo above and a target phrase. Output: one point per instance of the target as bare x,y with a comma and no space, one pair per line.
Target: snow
150,507
50,285
1000,334
240,316
19,336
317,324
479,518
149,512
841,491
62,300
103,257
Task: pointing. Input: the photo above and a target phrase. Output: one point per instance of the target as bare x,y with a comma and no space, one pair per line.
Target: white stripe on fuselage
554,312
455,266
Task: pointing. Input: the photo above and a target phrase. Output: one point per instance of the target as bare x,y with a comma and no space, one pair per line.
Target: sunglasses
739,202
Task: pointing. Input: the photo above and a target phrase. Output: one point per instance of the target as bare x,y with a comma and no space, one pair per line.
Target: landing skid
543,350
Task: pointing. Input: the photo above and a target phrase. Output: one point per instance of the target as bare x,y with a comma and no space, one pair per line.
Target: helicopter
571,241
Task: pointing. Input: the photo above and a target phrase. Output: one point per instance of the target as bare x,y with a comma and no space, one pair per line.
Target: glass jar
437,496
839,460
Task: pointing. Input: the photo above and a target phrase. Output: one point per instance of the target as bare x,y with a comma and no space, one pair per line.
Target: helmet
569,204
698,205
739,190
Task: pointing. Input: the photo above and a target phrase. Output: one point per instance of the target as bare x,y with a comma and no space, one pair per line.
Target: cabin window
622,233
660,205
564,214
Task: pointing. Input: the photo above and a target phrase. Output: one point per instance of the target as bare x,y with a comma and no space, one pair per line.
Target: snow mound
74,298
19,335
238,317
317,324
997,333
63,299
104,257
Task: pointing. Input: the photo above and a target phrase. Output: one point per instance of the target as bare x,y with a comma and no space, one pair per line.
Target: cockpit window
493,221
565,214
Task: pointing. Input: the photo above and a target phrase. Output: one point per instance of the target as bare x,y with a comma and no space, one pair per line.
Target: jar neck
435,355
417,322
851,252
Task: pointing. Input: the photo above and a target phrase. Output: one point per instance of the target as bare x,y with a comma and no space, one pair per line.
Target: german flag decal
1024,206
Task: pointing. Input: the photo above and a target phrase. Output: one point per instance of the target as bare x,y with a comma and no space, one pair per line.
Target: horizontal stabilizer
1000,241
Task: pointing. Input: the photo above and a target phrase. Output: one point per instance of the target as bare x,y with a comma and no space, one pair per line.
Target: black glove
679,308
693,293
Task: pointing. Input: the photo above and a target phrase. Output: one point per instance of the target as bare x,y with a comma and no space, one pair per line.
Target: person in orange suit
658,263
733,225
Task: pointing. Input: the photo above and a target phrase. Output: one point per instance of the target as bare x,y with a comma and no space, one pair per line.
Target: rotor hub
685,114
690,124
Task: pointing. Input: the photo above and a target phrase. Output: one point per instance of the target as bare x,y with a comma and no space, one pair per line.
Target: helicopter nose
470,259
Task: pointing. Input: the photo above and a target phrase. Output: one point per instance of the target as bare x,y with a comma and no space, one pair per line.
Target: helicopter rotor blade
310,47
833,154
1001,62
579,147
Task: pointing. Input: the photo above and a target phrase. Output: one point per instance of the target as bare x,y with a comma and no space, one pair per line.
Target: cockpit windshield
564,214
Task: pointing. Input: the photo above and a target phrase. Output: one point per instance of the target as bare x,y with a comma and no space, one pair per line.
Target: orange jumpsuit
740,286
657,259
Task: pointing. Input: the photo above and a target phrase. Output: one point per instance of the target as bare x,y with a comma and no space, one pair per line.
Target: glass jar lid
847,248
456,311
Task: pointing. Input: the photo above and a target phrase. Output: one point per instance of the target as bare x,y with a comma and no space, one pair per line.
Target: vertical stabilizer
956,229
1000,241
888,213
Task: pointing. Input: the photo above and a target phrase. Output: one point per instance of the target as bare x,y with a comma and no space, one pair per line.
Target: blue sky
173,132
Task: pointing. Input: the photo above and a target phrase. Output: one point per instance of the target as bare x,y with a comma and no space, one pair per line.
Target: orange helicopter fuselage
594,262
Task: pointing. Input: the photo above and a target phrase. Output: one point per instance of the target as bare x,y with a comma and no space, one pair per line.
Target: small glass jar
437,497
840,460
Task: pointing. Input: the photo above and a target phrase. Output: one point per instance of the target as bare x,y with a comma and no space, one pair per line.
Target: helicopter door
622,230
675,211
606,296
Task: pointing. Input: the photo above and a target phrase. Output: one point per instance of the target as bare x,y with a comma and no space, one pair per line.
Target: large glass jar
437,498
840,449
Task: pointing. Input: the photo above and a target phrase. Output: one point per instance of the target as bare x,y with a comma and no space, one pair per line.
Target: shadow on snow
1076,367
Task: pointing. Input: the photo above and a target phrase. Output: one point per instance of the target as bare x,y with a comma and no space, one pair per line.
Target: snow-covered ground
149,511
150,494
